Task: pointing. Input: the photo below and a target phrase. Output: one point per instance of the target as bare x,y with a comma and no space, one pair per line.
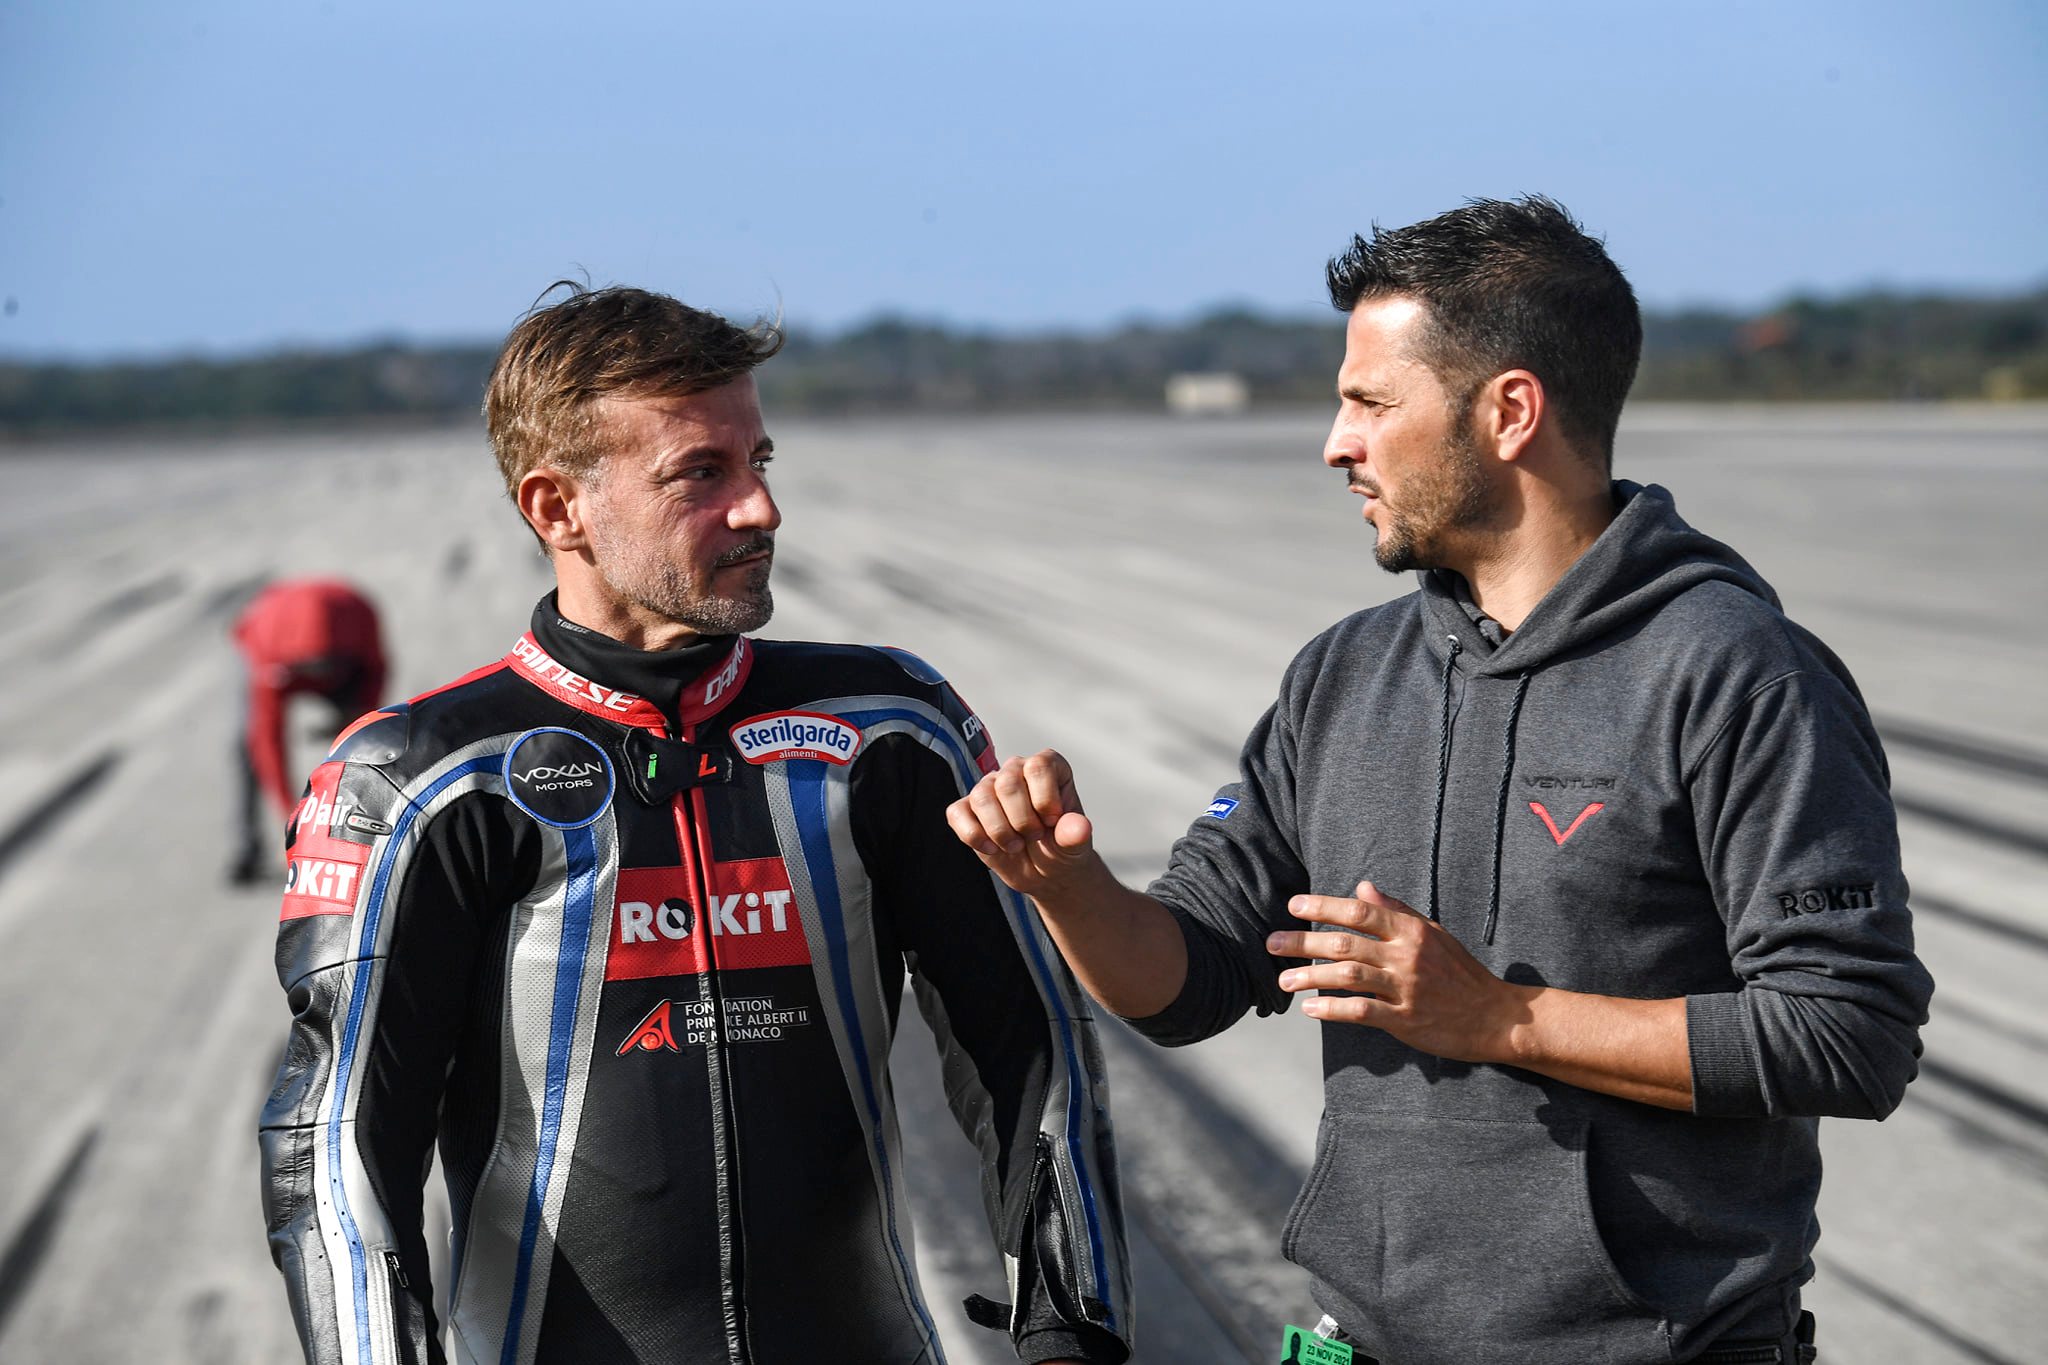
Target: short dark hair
597,343
1510,285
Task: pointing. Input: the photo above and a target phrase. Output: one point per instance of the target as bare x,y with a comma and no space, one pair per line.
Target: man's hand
1434,996
1426,989
1024,820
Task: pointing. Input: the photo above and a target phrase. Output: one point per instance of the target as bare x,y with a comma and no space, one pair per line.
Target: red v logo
1570,829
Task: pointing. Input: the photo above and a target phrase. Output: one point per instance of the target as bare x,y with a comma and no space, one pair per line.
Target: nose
1343,448
755,509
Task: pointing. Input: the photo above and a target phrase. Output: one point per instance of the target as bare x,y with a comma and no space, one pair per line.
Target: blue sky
221,176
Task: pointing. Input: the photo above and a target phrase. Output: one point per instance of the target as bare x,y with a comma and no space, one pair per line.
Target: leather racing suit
627,932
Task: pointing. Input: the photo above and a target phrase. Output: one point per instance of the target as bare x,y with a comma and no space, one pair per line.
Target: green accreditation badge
1300,1346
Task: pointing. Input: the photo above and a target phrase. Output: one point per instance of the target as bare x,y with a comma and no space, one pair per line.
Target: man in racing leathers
623,920
304,637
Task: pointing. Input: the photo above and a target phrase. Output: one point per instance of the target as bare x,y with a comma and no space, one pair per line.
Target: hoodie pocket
1467,1239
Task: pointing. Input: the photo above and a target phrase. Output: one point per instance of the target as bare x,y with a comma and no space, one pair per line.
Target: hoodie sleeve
1793,804
1227,883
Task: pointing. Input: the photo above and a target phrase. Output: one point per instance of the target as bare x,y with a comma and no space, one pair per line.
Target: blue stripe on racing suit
1024,923
807,799
578,905
366,943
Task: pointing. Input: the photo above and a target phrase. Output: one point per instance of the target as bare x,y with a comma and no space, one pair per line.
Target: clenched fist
1024,820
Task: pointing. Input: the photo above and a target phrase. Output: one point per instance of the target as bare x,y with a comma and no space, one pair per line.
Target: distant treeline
1866,346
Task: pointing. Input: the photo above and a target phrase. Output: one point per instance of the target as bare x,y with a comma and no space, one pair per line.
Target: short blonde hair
597,343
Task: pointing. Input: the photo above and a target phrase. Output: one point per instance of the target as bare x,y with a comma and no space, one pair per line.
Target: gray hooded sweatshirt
1658,787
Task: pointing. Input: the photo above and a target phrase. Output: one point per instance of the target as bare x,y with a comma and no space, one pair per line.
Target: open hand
1420,983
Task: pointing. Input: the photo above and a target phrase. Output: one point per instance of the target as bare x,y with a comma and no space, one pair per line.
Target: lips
756,552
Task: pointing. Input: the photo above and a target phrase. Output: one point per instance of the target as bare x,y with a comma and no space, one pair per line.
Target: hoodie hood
1646,556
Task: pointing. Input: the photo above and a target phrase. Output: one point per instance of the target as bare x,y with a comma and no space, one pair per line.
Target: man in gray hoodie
1585,852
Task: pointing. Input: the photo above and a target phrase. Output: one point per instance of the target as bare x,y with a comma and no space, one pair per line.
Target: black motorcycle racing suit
627,933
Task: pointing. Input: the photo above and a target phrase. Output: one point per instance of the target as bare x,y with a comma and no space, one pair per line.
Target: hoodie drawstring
1443,782
1500,809
1443,772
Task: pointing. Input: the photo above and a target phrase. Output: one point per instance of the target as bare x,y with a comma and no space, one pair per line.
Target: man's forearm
1411,977
1124,947
1636,1049
1024,821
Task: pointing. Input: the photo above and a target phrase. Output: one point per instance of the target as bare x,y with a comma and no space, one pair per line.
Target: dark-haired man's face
1404,445
681,524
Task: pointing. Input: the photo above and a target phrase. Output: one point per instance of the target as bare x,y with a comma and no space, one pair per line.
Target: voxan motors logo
796,734
567,777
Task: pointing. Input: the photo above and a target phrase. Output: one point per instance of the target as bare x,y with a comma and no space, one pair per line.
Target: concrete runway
1125,588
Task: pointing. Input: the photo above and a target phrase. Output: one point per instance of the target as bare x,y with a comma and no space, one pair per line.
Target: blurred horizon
1856,347
886,317
229,178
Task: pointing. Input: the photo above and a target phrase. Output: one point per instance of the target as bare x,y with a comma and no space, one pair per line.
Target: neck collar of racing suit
663,689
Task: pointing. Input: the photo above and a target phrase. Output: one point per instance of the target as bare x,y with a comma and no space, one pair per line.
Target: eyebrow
764,446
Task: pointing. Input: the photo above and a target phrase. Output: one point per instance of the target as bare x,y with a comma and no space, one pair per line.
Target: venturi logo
1560,835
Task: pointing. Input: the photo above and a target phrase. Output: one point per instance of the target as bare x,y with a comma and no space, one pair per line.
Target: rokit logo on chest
749,919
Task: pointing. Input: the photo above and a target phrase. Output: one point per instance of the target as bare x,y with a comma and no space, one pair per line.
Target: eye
761,463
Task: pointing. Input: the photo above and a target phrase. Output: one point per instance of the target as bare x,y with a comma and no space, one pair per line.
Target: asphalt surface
1127,589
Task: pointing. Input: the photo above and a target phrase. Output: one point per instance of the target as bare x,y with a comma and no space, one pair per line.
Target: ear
1511,410
555,504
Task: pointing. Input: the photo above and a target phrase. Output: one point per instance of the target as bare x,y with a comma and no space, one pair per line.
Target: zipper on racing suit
691,820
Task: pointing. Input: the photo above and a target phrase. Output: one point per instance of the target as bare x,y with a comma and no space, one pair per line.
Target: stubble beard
638,574
1439,500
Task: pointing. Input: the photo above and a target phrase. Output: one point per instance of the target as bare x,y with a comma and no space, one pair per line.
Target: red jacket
305,635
